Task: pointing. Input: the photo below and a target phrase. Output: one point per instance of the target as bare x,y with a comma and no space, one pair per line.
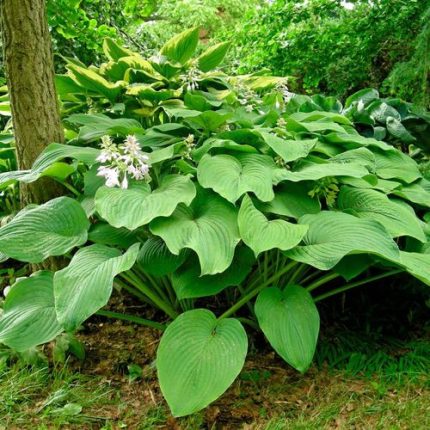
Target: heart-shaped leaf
138,205
290,321
53,228
231,177
208,226
188,283
397,217
198,359
261,235
85,285
29,317
333,235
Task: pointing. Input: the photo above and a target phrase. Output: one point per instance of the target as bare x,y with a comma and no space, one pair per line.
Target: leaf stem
131,318
247,297
321,281
356,284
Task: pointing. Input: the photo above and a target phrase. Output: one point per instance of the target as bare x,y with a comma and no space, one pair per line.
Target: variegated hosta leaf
198,358
289,150
208,226
53,228
231,177
188,283
290,321
53,153
85,285
29,317
292,199
181,47
396,216
333,235
138,205
213,56
261,235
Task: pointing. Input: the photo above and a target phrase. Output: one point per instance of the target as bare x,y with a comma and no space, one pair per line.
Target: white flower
111,175
249,108
124,183
124,162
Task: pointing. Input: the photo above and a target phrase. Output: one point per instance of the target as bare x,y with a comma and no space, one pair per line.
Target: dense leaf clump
186,183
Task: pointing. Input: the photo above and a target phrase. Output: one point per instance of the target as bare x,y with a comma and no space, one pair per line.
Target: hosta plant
199,194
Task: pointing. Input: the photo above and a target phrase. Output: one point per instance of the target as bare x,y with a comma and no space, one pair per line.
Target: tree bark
30,77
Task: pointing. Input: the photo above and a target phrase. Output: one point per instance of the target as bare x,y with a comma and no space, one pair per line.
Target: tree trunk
30,77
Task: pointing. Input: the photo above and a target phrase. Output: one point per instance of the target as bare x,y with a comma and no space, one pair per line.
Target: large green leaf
397,217
418,192
29,317
53,228
48,158
289,150
188,283
290,321
85,285
333,235
208,226
156,259
417,265
138,205
181,47
106,234
396,165
292,199
198,359
261,235
231,177
309,171
213,56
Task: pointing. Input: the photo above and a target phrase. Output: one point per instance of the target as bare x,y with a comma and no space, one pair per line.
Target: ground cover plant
203,196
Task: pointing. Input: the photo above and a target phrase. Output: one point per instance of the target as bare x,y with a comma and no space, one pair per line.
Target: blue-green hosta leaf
290,321
188,283
289,150
198,359
396,216
365,95
208,226
309,171
48,158
333,235
231,177
85,285
261,235
138,205
213,56
396,165
181,47
292,199
418,265
156,259
398,130
53,228
29,317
